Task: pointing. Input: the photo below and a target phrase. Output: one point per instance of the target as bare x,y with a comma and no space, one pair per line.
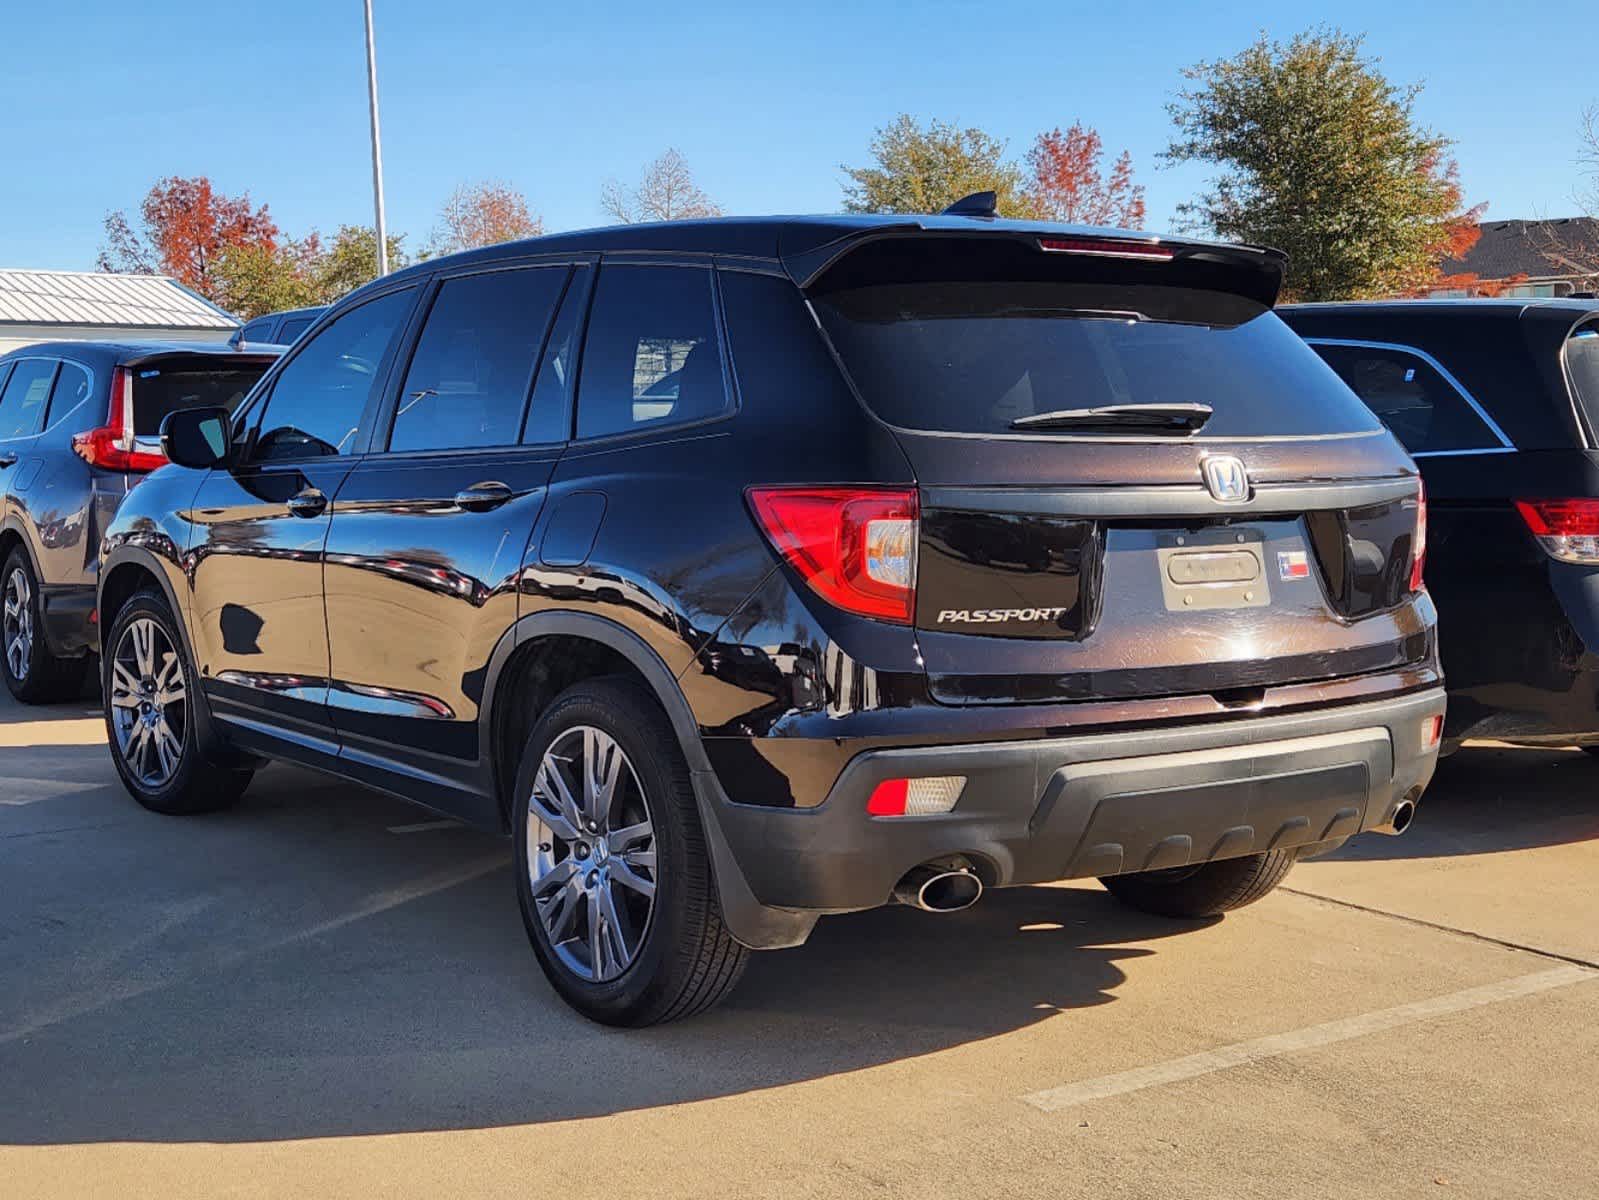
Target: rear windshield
158,391
1582,361
975,356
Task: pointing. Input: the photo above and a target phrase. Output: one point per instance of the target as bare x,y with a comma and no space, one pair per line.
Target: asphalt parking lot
325,992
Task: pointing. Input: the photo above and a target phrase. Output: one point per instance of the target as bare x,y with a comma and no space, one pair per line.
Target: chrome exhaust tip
940,887
1399,819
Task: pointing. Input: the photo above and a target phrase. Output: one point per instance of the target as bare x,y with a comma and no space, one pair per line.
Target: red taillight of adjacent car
854,547
1418,545
111,446
1567,529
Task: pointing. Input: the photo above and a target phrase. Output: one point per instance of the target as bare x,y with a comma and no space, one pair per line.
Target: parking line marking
54,790
424,826
1194,1065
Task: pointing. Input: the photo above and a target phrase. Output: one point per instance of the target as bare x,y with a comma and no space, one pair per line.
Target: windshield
976,356
1582,361
159,390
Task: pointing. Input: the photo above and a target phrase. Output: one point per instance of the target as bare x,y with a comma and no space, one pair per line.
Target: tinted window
469,378
293,328
164,389
316,403
1582,361
71,390
651,356
257,331
22,404
549,416
974,356
1425,411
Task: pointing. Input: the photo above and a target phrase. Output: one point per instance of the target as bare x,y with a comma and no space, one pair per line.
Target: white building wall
13,336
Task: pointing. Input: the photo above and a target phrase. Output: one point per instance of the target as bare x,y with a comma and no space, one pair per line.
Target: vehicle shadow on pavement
297,968
1489,798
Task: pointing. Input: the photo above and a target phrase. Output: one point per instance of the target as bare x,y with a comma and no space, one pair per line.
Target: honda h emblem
1226,478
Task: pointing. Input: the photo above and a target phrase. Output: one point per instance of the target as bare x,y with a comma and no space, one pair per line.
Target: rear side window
975,356
293,328
1427,413
317,401
652,356
162,389
22,404
469,379
1582,364
71,390
257,331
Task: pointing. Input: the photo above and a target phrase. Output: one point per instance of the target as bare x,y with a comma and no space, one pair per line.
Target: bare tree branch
666,192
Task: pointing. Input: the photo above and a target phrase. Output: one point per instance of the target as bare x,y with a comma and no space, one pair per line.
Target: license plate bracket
1212,569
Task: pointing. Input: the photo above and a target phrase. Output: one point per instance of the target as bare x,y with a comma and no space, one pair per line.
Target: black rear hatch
1135,480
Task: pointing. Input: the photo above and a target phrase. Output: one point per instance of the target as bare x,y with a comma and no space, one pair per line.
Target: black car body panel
1493,416
395,610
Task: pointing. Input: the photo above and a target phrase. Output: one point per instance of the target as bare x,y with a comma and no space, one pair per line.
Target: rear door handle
309,503
482,497
7,460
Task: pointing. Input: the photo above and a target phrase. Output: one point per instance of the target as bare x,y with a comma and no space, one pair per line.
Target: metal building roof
99,298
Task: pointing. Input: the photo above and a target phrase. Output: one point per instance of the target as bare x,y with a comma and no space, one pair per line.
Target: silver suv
79,425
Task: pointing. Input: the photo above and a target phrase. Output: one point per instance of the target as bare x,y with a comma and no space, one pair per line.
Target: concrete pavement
325,992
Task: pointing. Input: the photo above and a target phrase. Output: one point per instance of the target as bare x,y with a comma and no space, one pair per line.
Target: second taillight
854,547
111,446
1567,529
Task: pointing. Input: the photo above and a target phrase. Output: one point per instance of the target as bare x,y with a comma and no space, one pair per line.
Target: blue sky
100,99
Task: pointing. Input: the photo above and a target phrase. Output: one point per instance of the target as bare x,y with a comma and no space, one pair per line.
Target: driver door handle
7,460
309,503
482,497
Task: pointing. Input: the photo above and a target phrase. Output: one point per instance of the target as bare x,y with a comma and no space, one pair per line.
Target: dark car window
1582,362
975,356
652,355
257,331
1425,411
469,378
162,389
549,416
316,402
71,390
22,404
292,328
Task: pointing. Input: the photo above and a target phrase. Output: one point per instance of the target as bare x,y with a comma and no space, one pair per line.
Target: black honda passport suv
751,570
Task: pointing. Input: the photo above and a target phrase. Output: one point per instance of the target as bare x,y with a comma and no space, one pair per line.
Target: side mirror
197,437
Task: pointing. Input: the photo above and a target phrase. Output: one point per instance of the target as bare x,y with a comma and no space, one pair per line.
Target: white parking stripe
1194,1065
21,790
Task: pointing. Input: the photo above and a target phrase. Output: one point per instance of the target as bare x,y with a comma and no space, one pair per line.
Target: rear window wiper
1146,418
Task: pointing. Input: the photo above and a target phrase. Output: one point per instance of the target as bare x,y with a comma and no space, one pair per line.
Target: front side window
22,404
652,356
468,381
1425,411
316,402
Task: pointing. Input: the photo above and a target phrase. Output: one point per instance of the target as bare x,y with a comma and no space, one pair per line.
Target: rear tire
154,742
33,675
628,821
1207,890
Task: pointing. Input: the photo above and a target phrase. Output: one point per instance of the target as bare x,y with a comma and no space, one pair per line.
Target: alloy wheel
591,854
148,703
16,624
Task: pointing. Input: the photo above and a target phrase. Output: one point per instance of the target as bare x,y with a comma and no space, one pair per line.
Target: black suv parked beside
751,570
1498,400
79,426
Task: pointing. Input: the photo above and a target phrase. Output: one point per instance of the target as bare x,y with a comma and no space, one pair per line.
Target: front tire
613,874
33,675
154,743
1206,890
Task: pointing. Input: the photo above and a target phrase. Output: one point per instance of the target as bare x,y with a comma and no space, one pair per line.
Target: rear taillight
1567,529
111,446
1418,545
854,547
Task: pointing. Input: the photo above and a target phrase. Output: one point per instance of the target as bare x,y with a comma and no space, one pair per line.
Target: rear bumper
1094,805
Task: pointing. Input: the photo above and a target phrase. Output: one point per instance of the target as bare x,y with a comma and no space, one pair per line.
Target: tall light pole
377,145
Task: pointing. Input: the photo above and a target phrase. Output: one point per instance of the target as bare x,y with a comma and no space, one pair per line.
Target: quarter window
1425,411
257,331
316,403
549,416
71,389
22,404
652,356
469,378
292,329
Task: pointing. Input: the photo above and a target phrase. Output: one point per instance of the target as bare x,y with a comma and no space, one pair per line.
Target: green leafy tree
256,279
926,169
351,260
1321,157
